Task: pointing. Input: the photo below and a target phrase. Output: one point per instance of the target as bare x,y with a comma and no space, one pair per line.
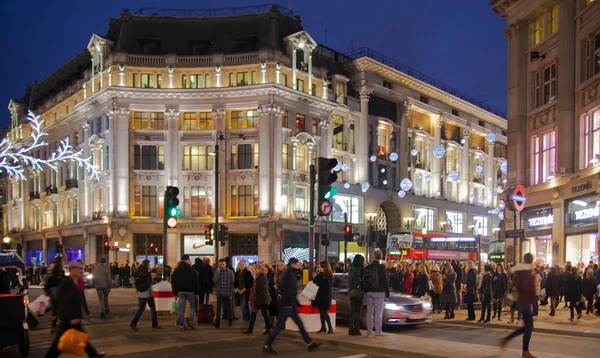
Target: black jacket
144,276
248,281
384,285
501,285
68,300
289,288
203,280
184,279
261,292
355,281
323,298
552,284
485,289
422,285
54,280
4,283
471,289
572,288
588,288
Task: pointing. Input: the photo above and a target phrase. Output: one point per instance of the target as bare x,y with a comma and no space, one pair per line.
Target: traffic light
361,240
348,236
326,178
224,234
105,243
324,240
171,206
208,234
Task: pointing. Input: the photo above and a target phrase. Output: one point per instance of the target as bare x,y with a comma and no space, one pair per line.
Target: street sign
512,234
517,198
325,207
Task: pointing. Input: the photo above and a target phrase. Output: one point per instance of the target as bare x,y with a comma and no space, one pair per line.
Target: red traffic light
105,243
348,229
151,244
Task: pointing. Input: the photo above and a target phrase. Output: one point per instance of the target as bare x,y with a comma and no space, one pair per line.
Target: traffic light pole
345,244
216,234
164,241
311,221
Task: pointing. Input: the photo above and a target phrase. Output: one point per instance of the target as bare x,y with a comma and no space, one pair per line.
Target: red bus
411,245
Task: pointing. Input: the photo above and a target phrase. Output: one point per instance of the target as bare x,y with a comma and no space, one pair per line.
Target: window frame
200,160
144,159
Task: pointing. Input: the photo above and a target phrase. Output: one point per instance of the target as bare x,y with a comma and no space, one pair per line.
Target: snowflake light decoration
347,185
491,137
501,205
365,186
338,166
401,194
406,184
499,188
345,167
14,158
428,177
453,175
472,196
419,175
393,156
504,167
479,168
501,215
439,151
373,158
414,152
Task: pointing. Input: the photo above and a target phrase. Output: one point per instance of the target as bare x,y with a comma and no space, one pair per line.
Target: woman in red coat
408,279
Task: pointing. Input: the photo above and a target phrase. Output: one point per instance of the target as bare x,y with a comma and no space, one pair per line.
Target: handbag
175,307
310,290
73,342
236,299
431,288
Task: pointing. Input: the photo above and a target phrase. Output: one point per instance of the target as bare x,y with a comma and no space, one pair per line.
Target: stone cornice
368,64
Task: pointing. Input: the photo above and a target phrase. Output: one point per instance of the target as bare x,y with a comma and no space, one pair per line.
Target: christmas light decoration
406,184
439,151
491,137
365,186
504,167
453,175
401,194
14,158
414,152
394,156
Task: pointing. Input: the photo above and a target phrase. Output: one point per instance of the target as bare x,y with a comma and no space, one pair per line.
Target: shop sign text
582,187
541,221
587,213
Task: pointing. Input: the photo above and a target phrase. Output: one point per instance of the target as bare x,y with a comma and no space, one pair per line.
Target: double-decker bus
497,251
411,245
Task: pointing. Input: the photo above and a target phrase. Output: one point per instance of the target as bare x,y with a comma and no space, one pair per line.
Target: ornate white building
151,99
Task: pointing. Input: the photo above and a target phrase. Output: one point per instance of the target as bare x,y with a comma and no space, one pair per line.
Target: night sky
458,42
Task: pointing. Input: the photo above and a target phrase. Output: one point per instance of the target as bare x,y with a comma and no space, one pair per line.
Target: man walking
288,307
102,283
524,282
223,279
377,289
143,287
184,282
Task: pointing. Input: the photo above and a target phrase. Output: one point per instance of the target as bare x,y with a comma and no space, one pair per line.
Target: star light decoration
428,177
439,151
414,152
345,167
14,158
373,158
479,168
453,175
347,185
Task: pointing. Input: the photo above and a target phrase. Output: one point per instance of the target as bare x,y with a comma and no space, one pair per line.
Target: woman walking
436,280
356,294
422,281
242,284
324,279
471,290
57,274
552,286
499,290
274,283
259,299
486,294
449,292
573,291
589,290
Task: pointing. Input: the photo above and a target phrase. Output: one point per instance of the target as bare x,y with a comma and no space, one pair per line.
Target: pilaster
172,151
465,167
219,115
436,165
558,236
121,161
294,69
86,180
310,76
490,180
402,155
362,158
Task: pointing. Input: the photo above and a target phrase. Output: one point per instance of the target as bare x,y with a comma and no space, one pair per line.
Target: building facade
151,109
554,126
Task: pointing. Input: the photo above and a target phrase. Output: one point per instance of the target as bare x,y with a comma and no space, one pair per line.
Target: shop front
74,248
148,247
538,222
195,246
35,252
52,252
581,233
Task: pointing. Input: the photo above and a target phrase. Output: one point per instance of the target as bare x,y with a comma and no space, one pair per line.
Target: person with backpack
377,289
356,294
145,296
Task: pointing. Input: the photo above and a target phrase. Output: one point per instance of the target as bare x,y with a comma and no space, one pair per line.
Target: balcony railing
97,215
51,190
34,195
71,183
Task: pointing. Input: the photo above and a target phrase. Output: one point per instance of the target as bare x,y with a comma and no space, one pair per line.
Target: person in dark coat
500,289
422,281
552,286
202,280
356,294
4,282
415,283
274,290
69,311
471,290
260,298
448,292
184,284
57,274
209,275
486,293
459,277
324,279
573,291
588,288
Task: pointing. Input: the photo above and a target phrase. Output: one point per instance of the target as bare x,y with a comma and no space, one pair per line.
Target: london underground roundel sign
517,198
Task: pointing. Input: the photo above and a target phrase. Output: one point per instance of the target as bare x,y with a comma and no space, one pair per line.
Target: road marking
355,356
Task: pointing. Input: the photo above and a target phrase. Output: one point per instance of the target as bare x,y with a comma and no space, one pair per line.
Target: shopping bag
175,307
542,294
39,306
73,342
310,290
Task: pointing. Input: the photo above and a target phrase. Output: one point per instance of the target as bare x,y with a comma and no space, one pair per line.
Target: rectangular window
242,78
383,139
255,155
353,205
284,79
148,120
301,162
480,225
352,134
340,89
231,79
197,157
285,157
241,156
149,157
338,133
197,121
552,16
196,81
183,81
424,217
300,119
207,83
237,119
284,119
591,125
300,199
454,222
314,127
537,30
198,202
148,81
300,85
251,119
135,80
74,210
549,83
544,155
146,201
242,200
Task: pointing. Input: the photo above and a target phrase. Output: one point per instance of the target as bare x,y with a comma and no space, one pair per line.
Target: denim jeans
527,328
245,308
223,303
375,305
183,298
103,298
265,313
117,279
62,328
141,306
284,313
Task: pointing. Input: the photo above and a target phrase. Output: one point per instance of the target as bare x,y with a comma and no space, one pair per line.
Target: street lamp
371,221
6,240
6,245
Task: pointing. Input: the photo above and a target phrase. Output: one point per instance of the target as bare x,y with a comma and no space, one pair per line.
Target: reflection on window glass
347,204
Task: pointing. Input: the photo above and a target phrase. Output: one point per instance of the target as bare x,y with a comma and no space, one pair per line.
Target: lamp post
424,233
217,196
370,231
116,252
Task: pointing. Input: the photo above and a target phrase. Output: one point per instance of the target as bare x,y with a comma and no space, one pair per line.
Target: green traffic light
331,193
174,212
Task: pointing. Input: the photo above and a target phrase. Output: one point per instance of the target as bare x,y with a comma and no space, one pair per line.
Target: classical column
558,232
490,174
272,184
111,163
171,75
264,166
172,151
121,160
362,151
436,165
465,174
217,75
219,116
325,88
93,69
403,163
326,136
566,83
310,76
294,67
122,80
263,72
86,180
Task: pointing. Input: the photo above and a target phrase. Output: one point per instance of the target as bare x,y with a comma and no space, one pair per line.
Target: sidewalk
587,326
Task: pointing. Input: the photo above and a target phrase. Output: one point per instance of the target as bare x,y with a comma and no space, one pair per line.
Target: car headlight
90,276
427,305
394,307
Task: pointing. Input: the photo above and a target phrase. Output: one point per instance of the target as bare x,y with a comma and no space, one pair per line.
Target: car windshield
340,282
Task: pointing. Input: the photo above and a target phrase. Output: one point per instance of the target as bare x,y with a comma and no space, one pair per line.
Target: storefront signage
496,256
586,213
512,234
196,245
517,198
582,187
541,221
451,255
452,239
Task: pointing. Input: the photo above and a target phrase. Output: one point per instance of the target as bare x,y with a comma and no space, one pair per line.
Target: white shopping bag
310,290
39,305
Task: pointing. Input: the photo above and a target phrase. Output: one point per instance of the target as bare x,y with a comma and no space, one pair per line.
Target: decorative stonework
544,117
270,107
466,131
172,113
243,175
364,92
218,113
324,123
589,94
118,111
